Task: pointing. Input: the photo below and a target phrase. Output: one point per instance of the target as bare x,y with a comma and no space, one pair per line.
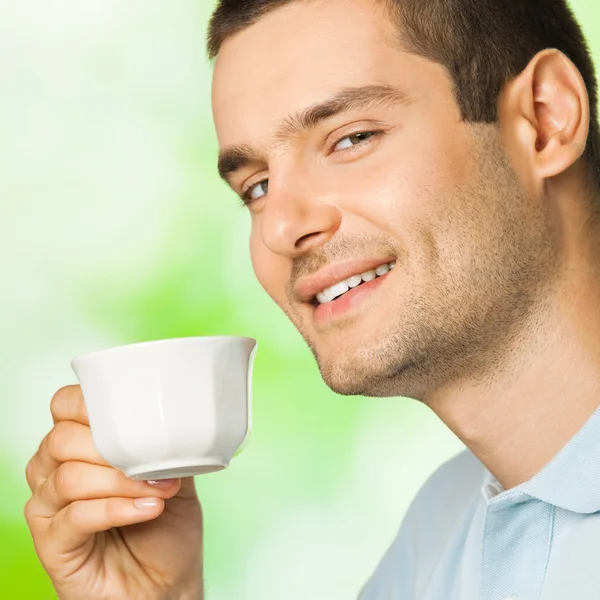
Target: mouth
344,298
346,286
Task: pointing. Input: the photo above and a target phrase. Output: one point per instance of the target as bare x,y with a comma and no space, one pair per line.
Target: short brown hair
483,44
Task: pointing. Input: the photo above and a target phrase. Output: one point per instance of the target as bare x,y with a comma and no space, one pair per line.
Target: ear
545,112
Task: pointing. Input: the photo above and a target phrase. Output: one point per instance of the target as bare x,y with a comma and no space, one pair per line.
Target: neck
517,420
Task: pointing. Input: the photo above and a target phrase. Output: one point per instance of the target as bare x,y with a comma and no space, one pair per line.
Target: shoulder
428,524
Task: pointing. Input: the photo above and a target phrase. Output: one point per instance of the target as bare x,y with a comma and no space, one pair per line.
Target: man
423,181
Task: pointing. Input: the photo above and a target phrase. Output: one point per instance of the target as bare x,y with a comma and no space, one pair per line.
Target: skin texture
489,317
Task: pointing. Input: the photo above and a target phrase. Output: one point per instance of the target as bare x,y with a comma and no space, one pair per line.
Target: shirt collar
571,480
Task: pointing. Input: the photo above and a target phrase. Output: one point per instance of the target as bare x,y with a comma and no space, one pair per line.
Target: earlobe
554,100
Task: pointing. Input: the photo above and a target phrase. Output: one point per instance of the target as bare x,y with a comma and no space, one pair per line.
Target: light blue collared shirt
466,538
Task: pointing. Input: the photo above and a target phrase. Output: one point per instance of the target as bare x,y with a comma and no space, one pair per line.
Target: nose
294,223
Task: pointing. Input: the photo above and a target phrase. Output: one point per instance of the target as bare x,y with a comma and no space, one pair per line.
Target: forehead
298,55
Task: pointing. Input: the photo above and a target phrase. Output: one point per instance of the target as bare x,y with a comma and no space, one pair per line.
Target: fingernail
146,503
161,483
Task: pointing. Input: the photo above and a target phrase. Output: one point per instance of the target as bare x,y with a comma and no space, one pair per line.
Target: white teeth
354,281
339,289
369,275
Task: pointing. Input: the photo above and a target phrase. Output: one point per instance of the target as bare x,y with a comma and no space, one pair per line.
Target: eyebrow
238,156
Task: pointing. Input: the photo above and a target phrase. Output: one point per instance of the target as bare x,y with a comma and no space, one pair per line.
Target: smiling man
423,182
424,211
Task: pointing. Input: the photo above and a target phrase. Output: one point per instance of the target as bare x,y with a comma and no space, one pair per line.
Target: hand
101,535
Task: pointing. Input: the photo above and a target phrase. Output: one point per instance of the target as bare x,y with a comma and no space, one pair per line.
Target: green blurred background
115,228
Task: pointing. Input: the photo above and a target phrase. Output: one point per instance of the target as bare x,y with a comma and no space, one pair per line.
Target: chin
367,377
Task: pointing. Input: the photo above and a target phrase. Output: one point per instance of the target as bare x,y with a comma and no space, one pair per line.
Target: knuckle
65,479
28,511
32,512
115,483
111,510
56,440
119,480
75,514
30,473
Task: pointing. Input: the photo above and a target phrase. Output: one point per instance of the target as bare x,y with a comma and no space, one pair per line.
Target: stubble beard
491,287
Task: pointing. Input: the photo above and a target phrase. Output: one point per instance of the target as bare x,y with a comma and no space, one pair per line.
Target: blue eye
250,195
354,139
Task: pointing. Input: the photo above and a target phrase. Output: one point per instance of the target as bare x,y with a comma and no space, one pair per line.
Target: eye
251,193
354,139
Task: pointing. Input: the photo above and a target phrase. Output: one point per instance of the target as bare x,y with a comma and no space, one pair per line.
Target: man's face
395,177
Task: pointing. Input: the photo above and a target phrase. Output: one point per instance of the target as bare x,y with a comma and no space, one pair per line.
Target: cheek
270,270
412,183
393,196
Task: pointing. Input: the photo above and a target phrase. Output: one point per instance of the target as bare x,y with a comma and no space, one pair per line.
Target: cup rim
82,357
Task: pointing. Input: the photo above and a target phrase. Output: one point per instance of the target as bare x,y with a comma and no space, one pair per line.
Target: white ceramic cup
169,408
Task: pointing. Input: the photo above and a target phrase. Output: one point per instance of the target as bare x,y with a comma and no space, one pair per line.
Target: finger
74,481
187,488
31,473
68,405
73,525
67,441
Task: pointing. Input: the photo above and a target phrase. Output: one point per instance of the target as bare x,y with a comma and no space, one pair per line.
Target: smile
339,289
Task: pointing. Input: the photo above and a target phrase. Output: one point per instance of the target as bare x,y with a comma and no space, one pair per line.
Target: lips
308,287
